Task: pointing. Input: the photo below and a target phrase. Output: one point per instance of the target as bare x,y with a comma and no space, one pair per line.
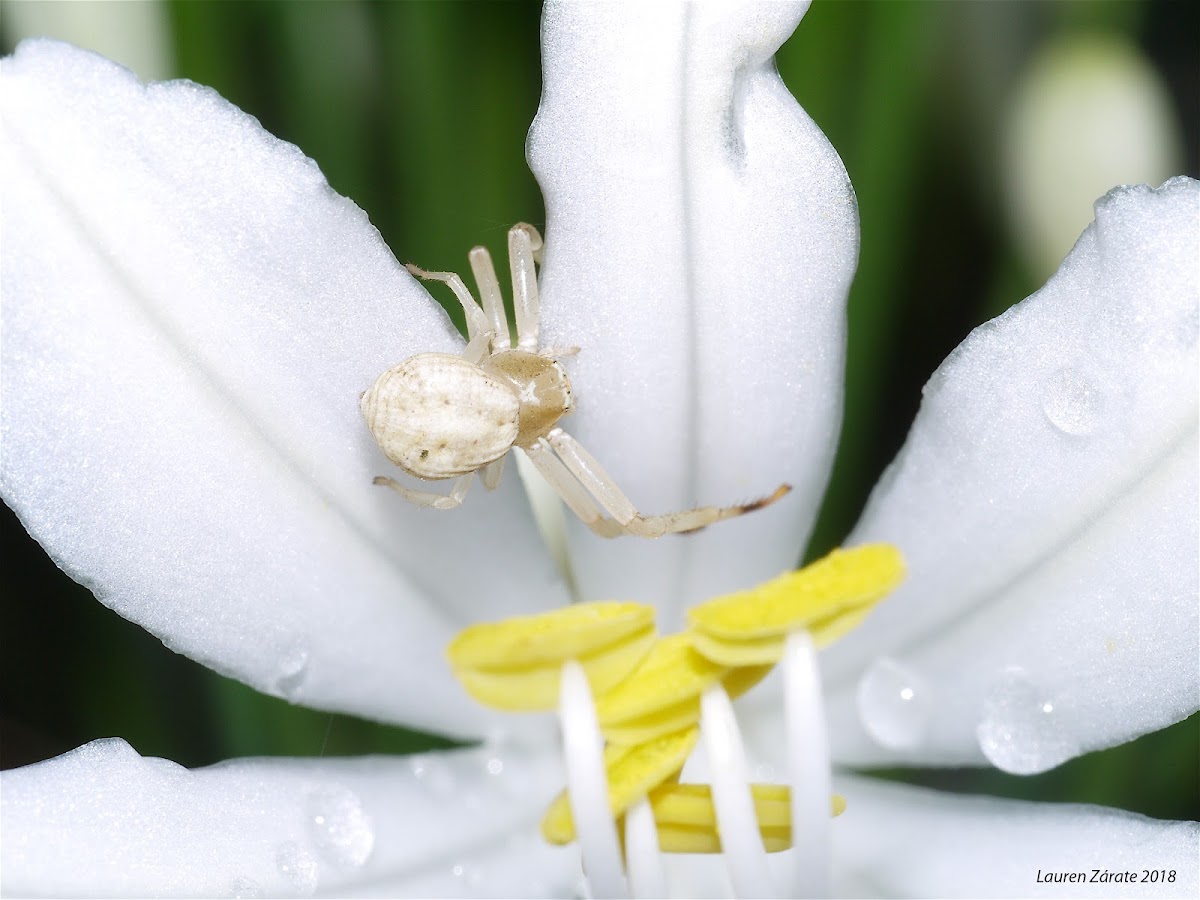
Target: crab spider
439,416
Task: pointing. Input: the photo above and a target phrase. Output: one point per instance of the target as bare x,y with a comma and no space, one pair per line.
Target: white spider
440,416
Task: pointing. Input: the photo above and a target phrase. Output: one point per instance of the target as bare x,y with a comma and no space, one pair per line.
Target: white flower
190,313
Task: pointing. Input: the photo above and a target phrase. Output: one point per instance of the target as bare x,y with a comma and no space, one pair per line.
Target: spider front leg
592,489
480,334
427,498
524,248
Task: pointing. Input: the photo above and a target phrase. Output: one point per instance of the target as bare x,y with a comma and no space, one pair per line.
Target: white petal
899,841
190,314
702,234
103,821
1046,504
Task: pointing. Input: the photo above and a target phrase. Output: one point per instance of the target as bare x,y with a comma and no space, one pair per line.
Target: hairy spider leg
590,492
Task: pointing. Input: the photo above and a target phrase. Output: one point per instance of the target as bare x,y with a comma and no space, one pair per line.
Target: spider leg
490,474
558,352
568,487
536,242
489,294
427,498
523,244
597,482
478,347
477,323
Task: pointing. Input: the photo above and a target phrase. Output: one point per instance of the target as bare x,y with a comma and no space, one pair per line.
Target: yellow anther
632,773
662,694
741,679
687,822
641,729
552,637
515,665
757,653
827,598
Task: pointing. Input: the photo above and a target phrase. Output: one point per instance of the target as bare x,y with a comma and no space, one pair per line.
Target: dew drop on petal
246,889
433,773
298,868
341,830
291,672
1024,730
1073,401
894,704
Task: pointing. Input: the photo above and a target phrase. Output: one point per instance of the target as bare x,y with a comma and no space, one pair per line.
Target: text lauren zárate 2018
1107,876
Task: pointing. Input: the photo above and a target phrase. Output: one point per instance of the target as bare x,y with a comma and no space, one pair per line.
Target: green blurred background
418,112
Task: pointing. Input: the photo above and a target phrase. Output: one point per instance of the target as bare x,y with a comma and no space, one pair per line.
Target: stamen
601,663
745,856
631,773
808,755
514,665
687,822
661,696
587,786
647,878
827,598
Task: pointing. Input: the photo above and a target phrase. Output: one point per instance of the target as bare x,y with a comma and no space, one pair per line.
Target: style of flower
190,313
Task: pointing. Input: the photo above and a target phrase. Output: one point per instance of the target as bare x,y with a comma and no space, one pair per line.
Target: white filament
587,785
646,875
808,756
737,823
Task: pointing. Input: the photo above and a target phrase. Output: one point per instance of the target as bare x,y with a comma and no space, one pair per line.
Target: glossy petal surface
1045,503
104,821
190,314
898,841
701,238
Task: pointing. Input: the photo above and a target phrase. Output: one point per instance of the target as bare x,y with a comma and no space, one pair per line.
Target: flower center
633,707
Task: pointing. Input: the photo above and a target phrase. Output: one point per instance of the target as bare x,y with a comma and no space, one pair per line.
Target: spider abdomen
438,416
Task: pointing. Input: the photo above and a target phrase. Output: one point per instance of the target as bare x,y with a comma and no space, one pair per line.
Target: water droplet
433,773
246,888
291,672
341,830
1023,730
457,870
894,704
298,867
1073,401
495,765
